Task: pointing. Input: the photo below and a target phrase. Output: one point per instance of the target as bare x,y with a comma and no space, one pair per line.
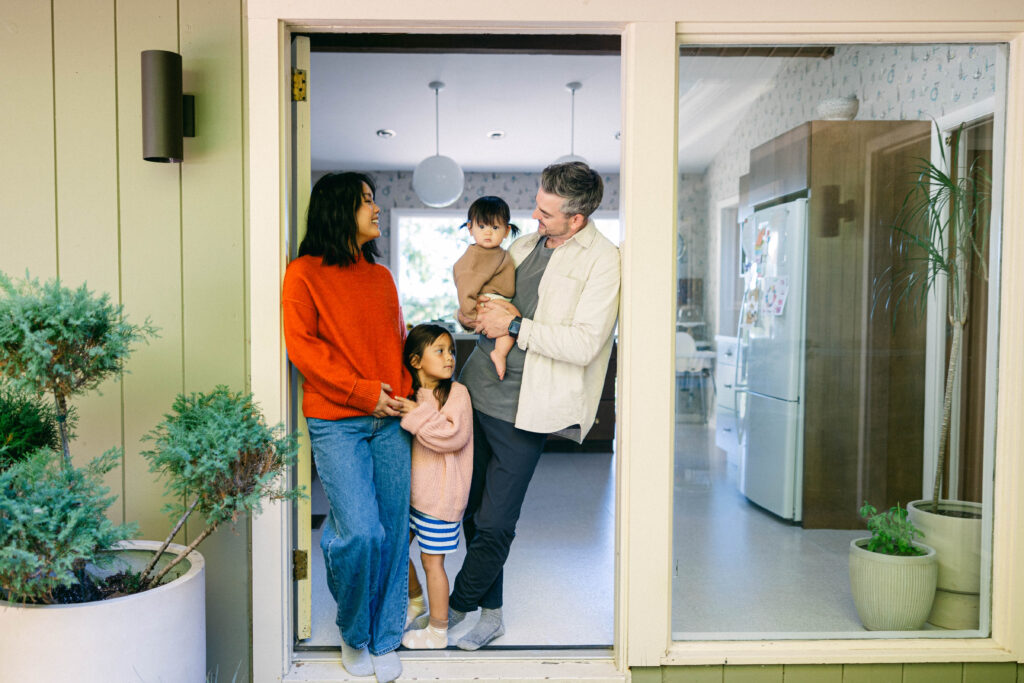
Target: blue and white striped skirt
435,536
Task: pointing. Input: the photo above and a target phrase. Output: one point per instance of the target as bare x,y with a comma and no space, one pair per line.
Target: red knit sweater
344,331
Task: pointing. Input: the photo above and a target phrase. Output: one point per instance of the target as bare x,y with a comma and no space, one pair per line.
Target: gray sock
423,620
387,667
487,629
356,661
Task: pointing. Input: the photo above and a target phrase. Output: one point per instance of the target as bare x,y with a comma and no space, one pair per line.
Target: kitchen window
426,243
828,390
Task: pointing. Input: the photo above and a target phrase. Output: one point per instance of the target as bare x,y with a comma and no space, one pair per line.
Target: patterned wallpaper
394,191
693,226
891,82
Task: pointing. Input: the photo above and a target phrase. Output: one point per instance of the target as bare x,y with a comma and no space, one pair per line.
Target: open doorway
504,113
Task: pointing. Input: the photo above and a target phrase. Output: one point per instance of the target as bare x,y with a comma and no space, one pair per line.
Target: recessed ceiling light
496,134
386,133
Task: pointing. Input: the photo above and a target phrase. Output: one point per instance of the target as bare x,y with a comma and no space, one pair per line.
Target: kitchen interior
797,397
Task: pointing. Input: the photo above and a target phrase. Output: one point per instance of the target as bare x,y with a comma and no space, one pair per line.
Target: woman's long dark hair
420,337
331,220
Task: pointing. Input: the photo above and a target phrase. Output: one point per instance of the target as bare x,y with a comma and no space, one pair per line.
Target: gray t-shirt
491,396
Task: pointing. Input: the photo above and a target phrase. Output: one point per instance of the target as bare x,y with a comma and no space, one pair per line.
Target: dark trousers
504,459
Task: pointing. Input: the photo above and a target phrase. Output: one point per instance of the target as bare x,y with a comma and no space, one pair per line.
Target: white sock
417,606
454,618
356,661
429,638
387,667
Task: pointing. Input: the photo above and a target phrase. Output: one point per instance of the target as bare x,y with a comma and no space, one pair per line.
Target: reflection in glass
827,393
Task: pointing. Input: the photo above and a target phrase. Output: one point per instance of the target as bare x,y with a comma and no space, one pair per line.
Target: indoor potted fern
892,575
120,610
942,231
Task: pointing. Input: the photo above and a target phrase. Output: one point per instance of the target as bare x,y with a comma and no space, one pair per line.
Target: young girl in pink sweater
440,418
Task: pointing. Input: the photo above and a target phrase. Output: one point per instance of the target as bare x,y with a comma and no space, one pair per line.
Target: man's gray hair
577,184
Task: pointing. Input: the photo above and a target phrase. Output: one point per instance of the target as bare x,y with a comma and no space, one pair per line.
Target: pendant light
437,180
572,87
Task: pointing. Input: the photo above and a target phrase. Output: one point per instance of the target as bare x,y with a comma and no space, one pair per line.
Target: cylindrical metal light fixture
161,106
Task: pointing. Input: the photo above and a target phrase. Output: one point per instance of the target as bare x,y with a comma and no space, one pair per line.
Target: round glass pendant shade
438,181
571,157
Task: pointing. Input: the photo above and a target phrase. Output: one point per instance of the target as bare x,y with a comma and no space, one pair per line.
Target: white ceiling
353,95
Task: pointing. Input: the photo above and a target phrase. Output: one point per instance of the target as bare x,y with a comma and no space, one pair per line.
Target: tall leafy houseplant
941,231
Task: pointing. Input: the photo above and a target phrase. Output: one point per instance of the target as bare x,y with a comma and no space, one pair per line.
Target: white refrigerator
771,357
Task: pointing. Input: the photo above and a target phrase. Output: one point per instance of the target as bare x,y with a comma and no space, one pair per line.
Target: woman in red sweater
344,332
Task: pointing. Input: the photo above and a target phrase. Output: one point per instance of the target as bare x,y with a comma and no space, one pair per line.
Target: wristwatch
513,327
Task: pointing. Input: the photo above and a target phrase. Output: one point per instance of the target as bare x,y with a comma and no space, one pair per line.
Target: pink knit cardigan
442,453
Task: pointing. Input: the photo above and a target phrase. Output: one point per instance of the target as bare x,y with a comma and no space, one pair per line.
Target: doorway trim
650,61
649,183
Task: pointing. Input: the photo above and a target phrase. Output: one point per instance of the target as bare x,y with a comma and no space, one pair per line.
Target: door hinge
298,85
300,565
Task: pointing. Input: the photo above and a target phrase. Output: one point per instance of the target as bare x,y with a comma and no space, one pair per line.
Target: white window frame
648,191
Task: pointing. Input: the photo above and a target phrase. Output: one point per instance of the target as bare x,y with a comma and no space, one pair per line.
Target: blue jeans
364,465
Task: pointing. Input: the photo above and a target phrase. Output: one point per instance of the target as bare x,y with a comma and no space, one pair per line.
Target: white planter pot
892,593
158,635
957,543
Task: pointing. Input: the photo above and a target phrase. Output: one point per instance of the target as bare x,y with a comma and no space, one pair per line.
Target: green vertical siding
872,673
166,240
1003,672
990,673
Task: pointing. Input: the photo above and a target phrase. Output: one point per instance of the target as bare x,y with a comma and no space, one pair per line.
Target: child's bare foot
499,363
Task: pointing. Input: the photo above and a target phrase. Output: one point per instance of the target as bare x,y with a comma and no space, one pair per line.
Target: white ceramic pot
158,635
957,540
892,593
957,543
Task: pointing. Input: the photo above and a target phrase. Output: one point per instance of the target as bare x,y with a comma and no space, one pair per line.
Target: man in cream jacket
562,317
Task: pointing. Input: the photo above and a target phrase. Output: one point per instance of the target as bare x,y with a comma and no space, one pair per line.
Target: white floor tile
559,577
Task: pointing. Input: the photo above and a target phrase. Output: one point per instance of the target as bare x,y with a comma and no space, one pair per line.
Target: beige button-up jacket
569,340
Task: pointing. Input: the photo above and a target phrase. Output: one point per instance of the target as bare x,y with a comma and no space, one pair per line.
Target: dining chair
690,370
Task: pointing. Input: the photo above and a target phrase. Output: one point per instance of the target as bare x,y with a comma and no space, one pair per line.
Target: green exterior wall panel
933,673
753,674
694,674
812,673
990,672
872,673
645,674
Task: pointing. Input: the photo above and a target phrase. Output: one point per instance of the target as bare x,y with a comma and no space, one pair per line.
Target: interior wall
165,240
692,262
394,191
892,83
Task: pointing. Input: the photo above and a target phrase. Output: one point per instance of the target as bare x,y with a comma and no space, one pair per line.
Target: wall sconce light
830,210
167,114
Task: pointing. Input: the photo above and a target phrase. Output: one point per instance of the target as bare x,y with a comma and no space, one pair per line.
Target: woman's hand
386,405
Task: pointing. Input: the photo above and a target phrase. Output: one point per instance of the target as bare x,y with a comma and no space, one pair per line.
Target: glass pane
428,246
834,241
